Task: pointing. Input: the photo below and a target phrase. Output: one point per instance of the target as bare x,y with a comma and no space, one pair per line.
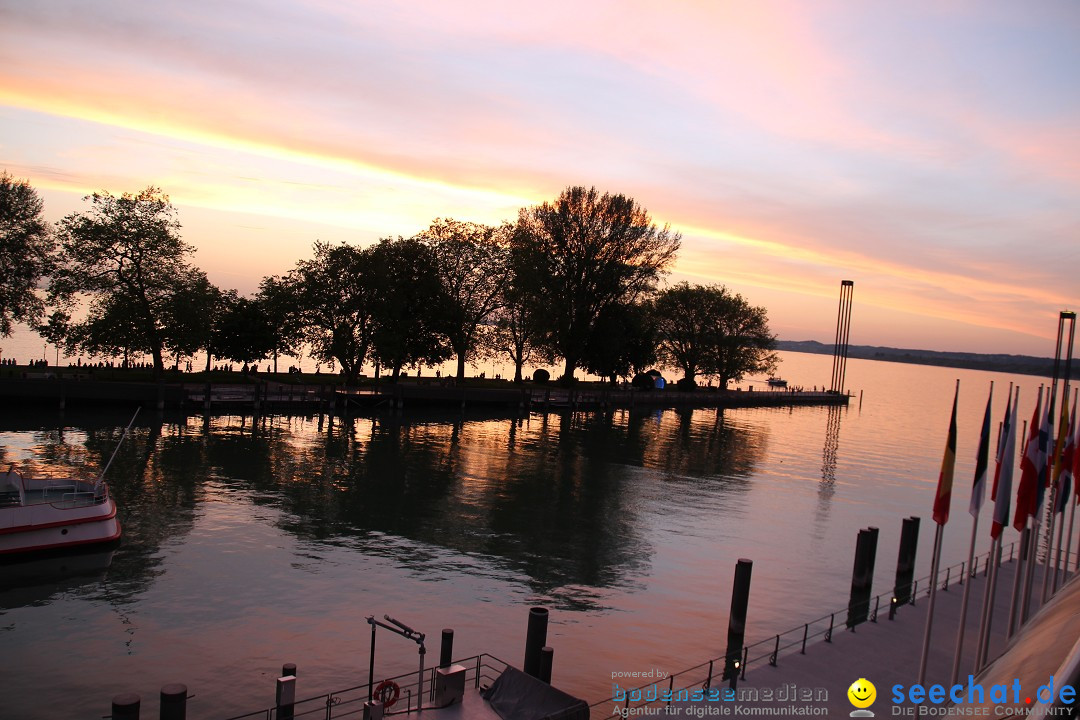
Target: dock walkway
887,653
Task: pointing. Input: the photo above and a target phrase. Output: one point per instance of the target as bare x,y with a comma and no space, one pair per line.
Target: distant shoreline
1018,364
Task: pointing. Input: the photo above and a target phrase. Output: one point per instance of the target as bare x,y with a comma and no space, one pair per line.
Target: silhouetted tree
276,298
25,248
515,331
334,295
623,342
707,330
125,259
191,315
581,254
410,306
472,261
243,332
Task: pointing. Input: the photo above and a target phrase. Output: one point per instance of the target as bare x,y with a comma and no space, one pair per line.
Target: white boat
777,382
39,515
56,515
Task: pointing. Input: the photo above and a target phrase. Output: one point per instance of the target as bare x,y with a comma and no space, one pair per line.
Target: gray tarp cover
517,696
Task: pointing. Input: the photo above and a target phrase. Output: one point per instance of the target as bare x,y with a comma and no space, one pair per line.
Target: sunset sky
927,150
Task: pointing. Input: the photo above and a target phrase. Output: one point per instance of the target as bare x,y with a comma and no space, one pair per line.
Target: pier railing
480,670
684,684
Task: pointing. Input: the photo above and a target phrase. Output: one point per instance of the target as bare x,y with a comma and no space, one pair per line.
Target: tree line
576,279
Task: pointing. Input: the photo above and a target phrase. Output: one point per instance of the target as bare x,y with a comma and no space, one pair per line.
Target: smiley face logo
862,693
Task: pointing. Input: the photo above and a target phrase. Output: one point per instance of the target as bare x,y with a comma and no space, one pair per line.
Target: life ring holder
387,692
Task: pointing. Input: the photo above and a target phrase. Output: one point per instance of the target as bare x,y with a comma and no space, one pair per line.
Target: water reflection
829,455
557,501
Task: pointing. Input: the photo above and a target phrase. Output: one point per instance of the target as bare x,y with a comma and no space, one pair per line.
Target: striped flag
1026,490
982,461
1003,475
948,463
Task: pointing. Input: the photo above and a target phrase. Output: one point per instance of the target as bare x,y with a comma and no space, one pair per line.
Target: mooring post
173,702
535,640
446,649
547,657
857,607
871,561
740,600
905,561
125,706
285,697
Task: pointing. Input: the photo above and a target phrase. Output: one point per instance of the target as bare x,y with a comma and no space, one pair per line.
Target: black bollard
535,639
856,606
871,550
125,706
547,656
288,669
740,601
173,702
905,561
446,650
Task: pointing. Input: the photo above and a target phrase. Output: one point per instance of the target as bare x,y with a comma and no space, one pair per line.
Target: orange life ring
387,692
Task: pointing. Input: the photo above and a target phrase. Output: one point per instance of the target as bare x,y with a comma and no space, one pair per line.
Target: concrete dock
887,653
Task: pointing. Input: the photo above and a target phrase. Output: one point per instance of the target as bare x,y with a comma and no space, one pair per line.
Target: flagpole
1065,460
1049,541
964,606
1029,571
930,608
983,645
942,501
1021,559
1018,579
978,494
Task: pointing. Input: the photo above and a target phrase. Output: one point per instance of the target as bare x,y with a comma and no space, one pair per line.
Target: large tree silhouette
582,254
124,258
25,247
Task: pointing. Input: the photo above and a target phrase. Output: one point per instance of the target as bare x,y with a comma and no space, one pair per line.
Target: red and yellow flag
948,464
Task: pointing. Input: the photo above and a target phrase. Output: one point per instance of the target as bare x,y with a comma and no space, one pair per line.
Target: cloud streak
928,151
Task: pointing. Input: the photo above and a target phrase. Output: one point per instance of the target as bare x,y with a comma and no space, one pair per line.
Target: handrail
349,702
775,644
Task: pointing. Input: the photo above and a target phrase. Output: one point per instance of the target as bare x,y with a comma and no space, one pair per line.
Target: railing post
945,587
775,652
708,680
877,603
805,632
828,633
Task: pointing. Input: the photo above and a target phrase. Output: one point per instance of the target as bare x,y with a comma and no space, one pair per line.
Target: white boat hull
61,514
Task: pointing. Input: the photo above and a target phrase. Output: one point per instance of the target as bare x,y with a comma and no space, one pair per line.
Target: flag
982,461
1064,467
1003,475
948,463
1005,425
1046,449
1026,490
1061,479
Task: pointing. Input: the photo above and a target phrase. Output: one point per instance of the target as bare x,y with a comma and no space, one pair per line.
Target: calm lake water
250,544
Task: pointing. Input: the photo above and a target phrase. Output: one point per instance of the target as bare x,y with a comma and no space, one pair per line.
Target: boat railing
81,497
687,684
480,670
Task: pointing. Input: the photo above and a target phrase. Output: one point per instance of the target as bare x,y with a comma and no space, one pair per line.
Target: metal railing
349,703
700,678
